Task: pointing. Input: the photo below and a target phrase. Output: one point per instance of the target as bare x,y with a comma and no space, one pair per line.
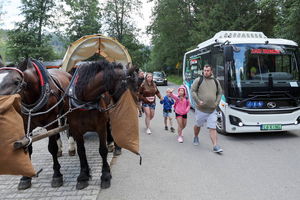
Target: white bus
259,76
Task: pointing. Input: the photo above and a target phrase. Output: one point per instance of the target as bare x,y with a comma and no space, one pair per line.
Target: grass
175,79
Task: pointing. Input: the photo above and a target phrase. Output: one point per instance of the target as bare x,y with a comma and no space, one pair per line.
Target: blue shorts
167,113
150,105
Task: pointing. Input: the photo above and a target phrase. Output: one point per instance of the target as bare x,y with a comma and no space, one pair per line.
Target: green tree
214,16
1,12
118,17
29,39
139,53
288,21
170,33
84,18
118,23
2,33
179,25
267,12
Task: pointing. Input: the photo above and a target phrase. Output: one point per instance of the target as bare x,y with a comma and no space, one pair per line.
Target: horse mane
88,71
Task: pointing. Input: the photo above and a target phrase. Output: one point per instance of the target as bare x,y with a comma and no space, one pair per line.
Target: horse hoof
72,152
105,184
105,180
24,184
117,152
57,182
81,185
59,154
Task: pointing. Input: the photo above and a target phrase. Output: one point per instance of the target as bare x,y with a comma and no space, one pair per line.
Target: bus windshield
264,68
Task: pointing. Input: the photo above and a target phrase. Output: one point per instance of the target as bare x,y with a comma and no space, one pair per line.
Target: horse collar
41,78
45,89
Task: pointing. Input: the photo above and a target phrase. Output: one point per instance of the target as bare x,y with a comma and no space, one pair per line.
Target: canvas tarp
88,45
125,124
13,162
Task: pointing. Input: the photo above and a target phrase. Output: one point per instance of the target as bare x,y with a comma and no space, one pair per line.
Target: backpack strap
200,81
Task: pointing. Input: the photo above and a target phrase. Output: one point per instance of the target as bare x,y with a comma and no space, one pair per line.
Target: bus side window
205,60
218,64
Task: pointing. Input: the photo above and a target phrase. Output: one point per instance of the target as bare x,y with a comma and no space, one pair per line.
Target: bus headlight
235,121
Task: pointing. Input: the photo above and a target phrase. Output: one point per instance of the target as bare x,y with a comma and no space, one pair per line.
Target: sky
12,15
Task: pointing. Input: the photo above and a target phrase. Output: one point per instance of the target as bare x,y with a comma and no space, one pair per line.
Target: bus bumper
260,122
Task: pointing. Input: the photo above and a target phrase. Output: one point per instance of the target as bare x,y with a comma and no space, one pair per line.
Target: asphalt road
253,166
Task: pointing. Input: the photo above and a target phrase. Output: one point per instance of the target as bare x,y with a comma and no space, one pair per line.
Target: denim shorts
150,105
167,113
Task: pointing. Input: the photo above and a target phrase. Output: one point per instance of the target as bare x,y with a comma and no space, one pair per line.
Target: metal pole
25,141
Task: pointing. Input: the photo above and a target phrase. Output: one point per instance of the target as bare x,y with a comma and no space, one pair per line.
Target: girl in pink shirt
181,107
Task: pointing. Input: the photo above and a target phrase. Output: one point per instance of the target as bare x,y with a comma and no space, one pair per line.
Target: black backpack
201,80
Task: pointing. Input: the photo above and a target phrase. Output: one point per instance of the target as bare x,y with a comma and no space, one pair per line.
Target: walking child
167,104
181,107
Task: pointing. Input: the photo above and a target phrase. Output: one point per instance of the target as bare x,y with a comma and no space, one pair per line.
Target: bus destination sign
265,51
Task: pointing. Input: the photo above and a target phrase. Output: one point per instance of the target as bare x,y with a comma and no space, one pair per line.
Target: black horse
95,83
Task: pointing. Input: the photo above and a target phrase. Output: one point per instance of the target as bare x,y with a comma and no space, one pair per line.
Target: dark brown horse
40,90
92,80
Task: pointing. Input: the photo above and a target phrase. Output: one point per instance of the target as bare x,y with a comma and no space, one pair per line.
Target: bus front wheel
221,123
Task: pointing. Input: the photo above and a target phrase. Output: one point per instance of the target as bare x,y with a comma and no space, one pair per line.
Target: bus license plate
266,127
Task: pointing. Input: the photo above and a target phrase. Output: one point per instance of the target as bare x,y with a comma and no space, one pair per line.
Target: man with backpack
206,93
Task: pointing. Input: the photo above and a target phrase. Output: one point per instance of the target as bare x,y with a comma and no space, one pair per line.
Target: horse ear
128,66
24,64
29,63
131,70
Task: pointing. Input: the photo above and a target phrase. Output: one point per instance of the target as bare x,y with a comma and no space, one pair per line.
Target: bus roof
244,37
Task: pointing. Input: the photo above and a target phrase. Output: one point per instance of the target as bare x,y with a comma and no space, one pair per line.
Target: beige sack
12,162
124,123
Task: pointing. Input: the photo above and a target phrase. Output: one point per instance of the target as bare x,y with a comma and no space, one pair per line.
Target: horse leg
71,141
112,146
72,148
118,150
25,181
57,178
84,176
110,140
59,145
106,175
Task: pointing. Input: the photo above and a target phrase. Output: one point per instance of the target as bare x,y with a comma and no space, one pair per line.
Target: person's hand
161,99
172,89
201,103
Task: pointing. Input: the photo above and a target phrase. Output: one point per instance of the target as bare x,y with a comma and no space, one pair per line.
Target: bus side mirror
228,53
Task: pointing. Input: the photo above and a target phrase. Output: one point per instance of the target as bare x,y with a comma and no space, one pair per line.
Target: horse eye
17,82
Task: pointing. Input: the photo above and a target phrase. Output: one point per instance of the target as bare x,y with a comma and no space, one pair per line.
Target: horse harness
21,84
76,103
32,109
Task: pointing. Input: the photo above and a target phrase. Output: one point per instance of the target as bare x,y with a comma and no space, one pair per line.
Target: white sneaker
148,131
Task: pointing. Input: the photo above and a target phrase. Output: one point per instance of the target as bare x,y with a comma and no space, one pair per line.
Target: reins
32,112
